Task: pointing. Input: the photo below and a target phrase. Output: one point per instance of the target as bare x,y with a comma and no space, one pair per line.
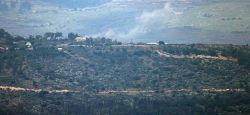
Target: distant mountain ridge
21,5
75,3
18,5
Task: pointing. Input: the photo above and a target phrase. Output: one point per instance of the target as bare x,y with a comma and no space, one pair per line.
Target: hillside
99,76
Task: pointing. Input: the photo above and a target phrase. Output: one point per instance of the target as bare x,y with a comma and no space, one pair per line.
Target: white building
29,46
152,44
60,49
80,39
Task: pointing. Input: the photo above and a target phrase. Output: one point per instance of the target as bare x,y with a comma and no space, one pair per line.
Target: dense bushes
239,52
57,104
91,70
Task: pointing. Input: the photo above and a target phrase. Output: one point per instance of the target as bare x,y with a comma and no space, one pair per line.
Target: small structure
80,39
152,44
29,46
48,38
62,45
60,49
77,45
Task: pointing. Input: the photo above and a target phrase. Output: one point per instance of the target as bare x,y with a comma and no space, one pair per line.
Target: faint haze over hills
19,5
174,21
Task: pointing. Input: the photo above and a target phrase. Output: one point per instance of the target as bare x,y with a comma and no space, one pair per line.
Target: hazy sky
174,21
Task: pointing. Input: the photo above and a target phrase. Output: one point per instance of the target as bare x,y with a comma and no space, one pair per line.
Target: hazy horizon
173,21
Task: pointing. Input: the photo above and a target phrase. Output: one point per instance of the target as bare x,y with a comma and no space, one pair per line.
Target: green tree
89,41
49,34
161,43
58,34
72,36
